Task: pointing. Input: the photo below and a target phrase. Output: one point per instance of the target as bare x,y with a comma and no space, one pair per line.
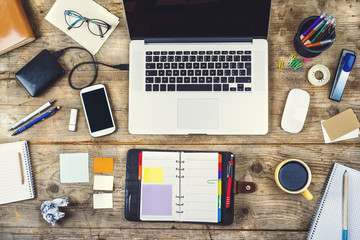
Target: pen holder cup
300,47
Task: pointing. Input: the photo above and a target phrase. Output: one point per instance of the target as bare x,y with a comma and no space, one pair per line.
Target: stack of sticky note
103,183
343,126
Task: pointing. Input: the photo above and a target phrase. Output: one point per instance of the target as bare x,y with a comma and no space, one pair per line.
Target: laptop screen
197,18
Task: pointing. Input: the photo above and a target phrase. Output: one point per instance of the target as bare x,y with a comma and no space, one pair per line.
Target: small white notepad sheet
327,223
103,200
104,183
74,167
352,134
11,187
82,35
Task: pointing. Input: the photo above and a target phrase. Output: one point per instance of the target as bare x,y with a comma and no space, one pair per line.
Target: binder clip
345,65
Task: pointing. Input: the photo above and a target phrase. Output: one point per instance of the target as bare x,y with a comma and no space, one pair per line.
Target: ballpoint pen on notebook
37,111
345,206
230,174
32,123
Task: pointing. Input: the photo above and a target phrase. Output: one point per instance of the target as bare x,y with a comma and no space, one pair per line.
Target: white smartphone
97,110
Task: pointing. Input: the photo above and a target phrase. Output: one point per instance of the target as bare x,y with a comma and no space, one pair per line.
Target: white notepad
11,173
82,35
179,186
327,223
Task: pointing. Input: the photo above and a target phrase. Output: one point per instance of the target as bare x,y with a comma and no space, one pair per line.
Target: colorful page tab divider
140,166
219,193
103,165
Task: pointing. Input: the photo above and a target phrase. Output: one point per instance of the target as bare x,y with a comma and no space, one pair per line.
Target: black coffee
293,176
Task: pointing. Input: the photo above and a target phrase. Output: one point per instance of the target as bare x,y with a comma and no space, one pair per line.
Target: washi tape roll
325,75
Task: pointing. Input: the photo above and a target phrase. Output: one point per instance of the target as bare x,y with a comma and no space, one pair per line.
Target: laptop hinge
192,40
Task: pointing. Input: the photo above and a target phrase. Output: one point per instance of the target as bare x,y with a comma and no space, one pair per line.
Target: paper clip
307,60
298,67
281,65
292,58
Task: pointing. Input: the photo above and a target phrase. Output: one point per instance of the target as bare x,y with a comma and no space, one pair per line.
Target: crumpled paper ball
50,210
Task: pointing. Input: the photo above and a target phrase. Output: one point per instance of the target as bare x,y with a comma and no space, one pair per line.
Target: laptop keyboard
198,71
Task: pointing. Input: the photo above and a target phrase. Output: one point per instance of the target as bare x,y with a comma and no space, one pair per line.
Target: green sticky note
153,175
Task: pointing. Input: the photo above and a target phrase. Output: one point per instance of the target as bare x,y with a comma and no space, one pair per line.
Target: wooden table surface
268,213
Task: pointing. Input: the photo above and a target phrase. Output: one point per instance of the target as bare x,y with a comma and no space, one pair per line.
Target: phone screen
97,110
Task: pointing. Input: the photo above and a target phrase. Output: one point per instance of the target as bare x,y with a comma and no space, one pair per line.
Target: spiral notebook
16,180
327,223
178,186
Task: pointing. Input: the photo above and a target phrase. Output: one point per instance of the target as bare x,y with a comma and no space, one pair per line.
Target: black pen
329,32
32,123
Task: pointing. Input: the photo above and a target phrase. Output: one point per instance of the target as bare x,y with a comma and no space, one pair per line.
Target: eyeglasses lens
98,27
73,19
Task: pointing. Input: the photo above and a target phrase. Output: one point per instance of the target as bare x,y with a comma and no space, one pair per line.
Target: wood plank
96,233
267,214
267,209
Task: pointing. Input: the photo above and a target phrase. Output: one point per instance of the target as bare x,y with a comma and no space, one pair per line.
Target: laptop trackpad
198,113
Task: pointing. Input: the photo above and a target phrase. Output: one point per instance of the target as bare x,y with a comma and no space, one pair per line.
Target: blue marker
341,77
32,123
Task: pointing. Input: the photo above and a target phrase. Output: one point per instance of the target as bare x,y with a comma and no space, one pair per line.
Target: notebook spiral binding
179,211
28,170
180,161
181,169
179,196
179,176
322,199
179,204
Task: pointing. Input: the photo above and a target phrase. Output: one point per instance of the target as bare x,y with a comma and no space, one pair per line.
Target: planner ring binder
188,197
161,186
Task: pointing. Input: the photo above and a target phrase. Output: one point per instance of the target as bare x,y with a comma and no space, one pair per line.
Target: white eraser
72,122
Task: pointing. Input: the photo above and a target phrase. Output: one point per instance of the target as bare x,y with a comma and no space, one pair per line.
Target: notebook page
11,188
199,186
327,223
159,186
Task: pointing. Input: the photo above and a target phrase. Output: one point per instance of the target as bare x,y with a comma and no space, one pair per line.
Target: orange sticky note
103,165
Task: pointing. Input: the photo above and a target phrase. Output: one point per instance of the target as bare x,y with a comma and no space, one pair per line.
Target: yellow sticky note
153,175
103,165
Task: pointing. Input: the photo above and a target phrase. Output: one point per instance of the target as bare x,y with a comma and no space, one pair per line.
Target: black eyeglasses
96,26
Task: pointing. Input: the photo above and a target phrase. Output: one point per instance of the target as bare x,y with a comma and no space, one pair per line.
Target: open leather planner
181,186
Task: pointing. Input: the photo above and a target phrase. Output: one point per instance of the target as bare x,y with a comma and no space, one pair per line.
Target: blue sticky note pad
74,167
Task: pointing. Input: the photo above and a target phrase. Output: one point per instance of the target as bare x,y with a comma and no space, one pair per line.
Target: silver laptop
198,66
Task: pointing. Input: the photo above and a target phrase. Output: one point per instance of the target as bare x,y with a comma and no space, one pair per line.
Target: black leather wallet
39,73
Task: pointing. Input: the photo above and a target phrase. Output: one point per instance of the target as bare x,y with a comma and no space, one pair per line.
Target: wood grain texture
269,213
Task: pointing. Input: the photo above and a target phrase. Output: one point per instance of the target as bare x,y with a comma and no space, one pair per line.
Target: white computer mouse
295,110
